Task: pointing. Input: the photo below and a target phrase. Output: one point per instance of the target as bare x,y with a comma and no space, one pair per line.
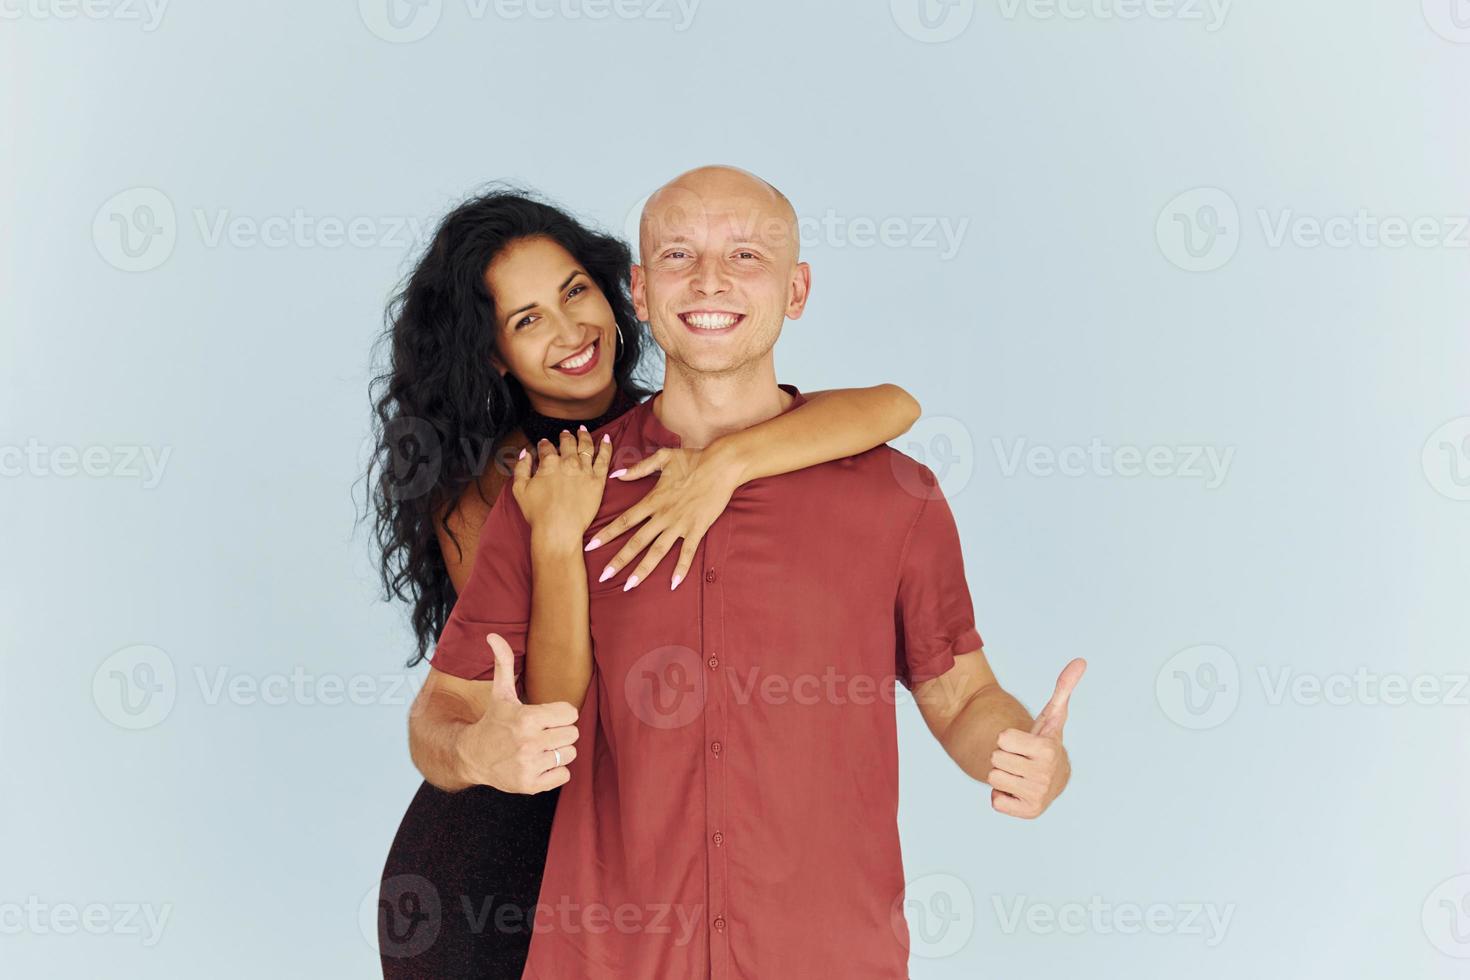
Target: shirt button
719,838
715,748
720,923
714,662
709,576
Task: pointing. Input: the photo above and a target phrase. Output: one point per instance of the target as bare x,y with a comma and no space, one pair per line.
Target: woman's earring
619,328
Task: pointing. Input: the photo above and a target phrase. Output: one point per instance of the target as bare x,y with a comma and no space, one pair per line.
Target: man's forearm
434,729
971,736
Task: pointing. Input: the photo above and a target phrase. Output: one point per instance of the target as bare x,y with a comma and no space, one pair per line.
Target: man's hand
1030,769
515,747
478,733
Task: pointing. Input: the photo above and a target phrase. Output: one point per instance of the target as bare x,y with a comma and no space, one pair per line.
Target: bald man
731,809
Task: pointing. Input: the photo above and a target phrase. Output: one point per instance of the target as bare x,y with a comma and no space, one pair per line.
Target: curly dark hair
441,407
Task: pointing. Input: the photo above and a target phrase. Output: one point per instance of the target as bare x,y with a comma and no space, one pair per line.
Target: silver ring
557,753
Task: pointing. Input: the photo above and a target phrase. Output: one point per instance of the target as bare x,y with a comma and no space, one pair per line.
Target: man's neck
699,408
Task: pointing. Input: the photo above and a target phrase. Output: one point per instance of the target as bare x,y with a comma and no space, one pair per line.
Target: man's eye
678,254
745,255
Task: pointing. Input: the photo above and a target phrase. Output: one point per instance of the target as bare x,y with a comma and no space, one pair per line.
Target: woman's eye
524,321
576,291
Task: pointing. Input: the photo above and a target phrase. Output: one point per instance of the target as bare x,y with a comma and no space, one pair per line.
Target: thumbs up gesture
515,747
1030,769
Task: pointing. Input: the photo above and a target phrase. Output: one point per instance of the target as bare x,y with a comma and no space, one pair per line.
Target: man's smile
711,321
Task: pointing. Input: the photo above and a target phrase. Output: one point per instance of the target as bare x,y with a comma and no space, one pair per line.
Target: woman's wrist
728,457
549,540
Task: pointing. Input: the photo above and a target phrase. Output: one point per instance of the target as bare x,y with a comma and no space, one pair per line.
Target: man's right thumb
505,668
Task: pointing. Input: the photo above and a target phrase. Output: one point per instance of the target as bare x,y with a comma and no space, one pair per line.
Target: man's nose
709,276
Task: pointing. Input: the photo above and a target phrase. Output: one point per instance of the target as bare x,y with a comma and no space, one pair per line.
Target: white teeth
711,321
572,363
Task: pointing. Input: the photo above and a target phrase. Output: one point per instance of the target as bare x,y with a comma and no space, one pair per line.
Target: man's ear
801,288
637,285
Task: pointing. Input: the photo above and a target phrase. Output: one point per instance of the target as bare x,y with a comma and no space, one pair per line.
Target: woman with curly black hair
515,327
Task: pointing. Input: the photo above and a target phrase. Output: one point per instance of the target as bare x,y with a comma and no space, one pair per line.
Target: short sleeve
934,618
496,598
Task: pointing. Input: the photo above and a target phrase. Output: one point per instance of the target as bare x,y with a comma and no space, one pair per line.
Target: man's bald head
764,212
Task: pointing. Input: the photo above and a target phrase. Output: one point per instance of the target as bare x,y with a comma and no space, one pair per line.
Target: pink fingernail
607,573
581,428
632,581
675,583
617,473
594,543
606,437
522,455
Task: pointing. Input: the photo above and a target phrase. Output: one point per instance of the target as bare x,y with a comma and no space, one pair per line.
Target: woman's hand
693,488
562,498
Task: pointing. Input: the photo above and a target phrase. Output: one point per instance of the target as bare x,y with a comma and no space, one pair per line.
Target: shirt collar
652,432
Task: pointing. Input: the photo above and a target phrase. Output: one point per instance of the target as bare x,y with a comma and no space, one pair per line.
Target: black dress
462,878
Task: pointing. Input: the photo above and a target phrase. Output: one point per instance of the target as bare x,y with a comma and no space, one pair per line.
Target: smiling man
732,806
